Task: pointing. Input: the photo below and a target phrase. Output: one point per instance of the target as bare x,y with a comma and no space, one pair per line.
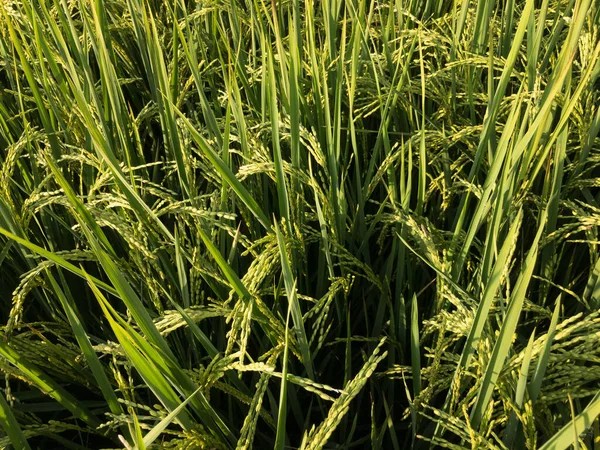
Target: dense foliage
300,224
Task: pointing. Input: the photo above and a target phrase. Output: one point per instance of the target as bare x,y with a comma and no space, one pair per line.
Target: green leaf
156,431
294,305
11,426
415,353
565,438
509,325
47,385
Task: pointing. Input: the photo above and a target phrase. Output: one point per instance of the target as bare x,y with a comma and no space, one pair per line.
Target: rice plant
300,224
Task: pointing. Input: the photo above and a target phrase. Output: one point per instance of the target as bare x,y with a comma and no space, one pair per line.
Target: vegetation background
300,224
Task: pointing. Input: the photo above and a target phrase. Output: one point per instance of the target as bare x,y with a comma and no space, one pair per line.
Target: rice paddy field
300,224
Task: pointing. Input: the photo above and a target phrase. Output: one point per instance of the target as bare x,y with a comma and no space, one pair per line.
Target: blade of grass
493,110
226,173
511,427
156,365
86,346
282,413
294,305
535,386
47,385
415,353
509,325
11,426
56,259
564,438
282,194
156,431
